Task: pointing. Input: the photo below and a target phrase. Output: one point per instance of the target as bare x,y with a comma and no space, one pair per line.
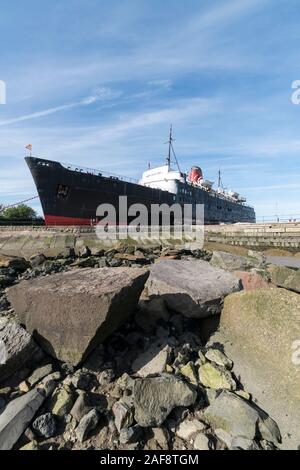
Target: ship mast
171,151
219,180
170,148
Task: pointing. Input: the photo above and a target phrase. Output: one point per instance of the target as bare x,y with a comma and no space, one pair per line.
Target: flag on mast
29,147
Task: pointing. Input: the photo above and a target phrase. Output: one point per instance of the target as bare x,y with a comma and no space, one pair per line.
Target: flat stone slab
193,288
70,313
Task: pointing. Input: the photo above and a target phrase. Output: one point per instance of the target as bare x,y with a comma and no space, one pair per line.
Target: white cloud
102,94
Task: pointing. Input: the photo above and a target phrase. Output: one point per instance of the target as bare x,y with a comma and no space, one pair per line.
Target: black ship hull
71,197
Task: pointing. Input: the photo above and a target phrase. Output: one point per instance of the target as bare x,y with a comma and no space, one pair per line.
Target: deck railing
97,172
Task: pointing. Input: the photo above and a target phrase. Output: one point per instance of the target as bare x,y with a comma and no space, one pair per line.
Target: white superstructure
162,177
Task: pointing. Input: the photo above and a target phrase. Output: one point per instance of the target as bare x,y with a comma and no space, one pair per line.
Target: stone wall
278,235
53,241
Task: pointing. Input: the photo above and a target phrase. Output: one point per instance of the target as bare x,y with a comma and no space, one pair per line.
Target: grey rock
187,428
213,376
17,416
115,263
264,359
45,425
107,296
259,257
285,277
193,288
124,414
231,262
4,305
211,394
51,378
202,442
39,374
17,348
89,262
238,417
236,443
152,361
87,424
265,445
161,436
269,430
130,435
62,401
224,437
106,376
156,397
102,263
241,443
125,382
216,356
37,260
82,380
81,407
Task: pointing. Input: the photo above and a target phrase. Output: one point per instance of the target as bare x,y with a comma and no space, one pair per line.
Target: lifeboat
233,194
206,184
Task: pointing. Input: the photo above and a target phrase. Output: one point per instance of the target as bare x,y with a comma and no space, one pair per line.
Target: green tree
19,212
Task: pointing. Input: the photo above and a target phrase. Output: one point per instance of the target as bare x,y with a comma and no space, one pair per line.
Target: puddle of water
288,261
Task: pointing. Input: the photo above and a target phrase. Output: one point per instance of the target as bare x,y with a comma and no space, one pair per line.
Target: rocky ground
115,350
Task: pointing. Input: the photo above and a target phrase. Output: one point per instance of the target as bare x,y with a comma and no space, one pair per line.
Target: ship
70,194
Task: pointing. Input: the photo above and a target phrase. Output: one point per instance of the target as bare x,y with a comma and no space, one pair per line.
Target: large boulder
17,348
260,331
194,287
156,397
285,277
71,313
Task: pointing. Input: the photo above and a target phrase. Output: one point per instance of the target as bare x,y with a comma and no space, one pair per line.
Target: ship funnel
195,174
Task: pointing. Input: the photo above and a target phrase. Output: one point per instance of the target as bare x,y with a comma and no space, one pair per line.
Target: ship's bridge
163,177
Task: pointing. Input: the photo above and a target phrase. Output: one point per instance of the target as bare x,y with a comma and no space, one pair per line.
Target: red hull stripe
59,220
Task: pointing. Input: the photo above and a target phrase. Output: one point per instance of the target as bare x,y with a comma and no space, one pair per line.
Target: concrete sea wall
53,241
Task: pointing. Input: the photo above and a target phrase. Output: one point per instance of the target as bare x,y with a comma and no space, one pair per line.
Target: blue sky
98,83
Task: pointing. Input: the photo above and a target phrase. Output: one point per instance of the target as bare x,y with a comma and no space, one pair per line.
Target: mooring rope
17,203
